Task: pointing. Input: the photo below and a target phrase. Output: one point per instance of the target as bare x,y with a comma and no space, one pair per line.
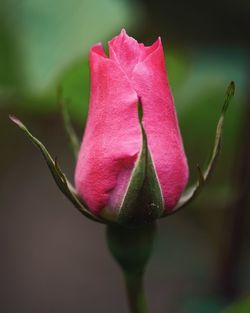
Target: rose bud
130,169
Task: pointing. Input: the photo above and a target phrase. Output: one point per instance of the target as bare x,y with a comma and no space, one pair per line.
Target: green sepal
191,193
59,177
68,127
143,201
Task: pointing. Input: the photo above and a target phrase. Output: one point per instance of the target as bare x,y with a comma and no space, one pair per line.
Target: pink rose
112,142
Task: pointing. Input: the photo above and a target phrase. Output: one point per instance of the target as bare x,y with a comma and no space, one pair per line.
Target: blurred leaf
177,68
75,83
239,307
54,33
9,68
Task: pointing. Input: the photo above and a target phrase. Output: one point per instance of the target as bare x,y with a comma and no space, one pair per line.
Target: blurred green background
54,260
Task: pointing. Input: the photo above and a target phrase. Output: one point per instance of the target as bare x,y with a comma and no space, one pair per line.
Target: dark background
52,259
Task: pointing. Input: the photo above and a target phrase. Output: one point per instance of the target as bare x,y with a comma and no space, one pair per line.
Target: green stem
131,248
135,293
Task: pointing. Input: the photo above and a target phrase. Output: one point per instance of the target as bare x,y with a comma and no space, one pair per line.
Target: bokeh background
54,260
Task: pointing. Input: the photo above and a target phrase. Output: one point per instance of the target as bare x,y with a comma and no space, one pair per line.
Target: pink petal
112,138
160,123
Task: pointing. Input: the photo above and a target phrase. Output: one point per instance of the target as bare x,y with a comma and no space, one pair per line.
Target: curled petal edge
192,192
59,177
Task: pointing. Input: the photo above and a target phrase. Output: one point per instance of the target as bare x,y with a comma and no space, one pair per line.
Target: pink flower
112,142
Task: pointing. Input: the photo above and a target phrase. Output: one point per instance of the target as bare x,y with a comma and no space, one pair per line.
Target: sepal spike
59,177
190,194
69,129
